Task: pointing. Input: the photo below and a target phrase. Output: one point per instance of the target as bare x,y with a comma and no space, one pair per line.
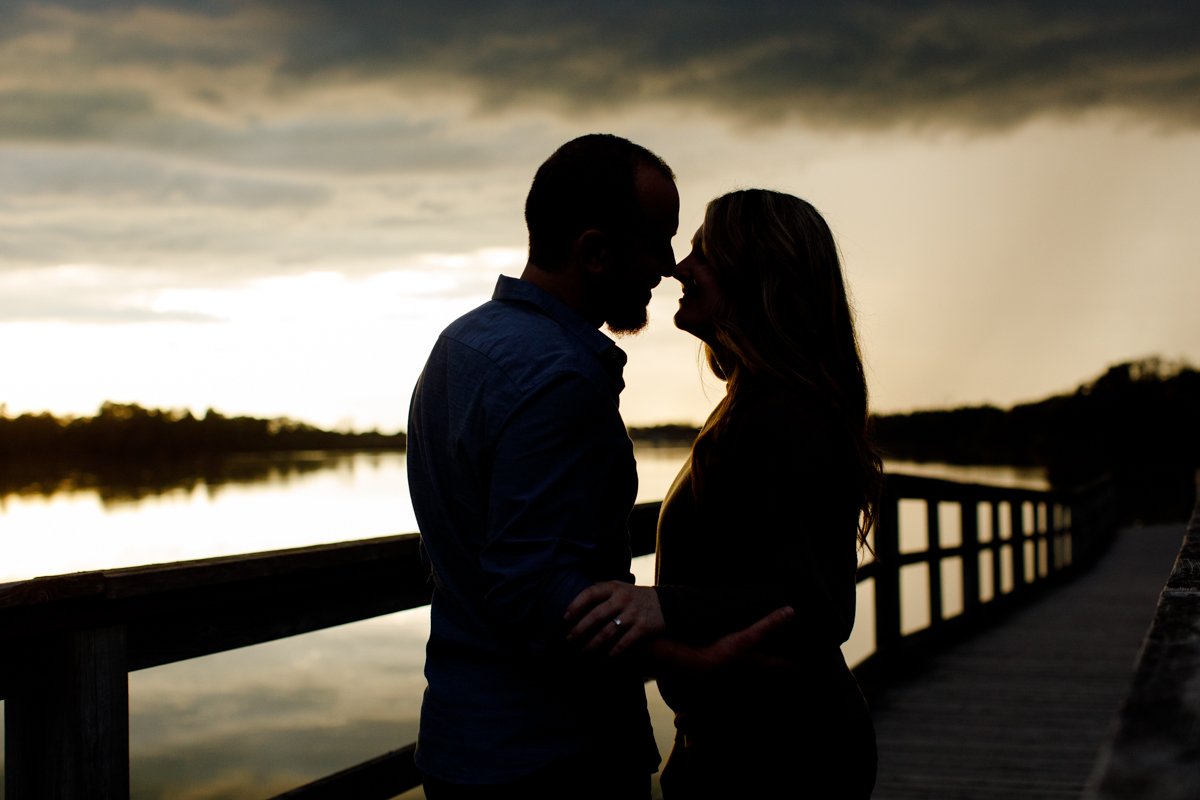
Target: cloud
43,176
74,311
845,63
229,139
68,115
87,294
960,64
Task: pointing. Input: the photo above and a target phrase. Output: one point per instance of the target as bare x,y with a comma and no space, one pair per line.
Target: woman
767,511
770,511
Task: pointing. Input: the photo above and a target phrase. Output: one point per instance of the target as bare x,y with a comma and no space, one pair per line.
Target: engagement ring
617,621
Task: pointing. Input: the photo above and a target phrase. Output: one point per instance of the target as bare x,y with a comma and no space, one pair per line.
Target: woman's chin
692,326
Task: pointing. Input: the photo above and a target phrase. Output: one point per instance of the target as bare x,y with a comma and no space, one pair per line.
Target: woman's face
702,301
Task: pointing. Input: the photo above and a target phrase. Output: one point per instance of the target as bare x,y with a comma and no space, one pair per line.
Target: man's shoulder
520,341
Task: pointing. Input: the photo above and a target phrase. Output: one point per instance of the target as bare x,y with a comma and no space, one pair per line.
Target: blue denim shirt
522,477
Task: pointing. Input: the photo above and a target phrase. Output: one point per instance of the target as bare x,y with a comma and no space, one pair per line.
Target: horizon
1165,368
272,210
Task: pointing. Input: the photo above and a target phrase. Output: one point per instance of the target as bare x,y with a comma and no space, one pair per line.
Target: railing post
1041,510
1016,521
66,722
969,525
997,552
887,572
933,528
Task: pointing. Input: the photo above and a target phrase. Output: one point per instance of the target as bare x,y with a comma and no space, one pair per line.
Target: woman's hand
740,648
614,616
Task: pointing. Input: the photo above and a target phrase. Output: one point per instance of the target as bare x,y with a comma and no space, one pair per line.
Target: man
522,478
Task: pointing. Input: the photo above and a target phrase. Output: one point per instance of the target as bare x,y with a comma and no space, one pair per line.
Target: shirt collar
603,348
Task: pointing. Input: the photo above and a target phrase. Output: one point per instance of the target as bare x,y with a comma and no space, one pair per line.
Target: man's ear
592,251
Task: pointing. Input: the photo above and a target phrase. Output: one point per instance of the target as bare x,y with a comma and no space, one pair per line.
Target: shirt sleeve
563,480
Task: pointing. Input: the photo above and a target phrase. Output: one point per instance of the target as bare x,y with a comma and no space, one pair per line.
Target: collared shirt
522,477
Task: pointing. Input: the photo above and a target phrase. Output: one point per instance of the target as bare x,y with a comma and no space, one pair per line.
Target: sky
272,208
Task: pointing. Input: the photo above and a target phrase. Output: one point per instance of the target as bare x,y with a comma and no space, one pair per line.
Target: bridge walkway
1021,710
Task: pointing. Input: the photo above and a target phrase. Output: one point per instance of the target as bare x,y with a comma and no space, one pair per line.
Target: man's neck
565,285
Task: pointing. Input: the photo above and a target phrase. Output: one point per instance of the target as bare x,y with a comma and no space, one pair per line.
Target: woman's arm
773,525
596,609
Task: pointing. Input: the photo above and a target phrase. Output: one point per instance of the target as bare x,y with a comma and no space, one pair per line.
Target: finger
595,620
596,593
773,621
629,638
753,636
605,638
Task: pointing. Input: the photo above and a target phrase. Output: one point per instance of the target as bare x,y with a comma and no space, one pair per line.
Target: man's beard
624,302
627,322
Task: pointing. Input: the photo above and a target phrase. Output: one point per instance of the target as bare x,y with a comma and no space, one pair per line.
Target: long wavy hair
785,316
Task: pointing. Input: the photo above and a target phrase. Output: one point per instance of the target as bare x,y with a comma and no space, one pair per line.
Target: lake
253,722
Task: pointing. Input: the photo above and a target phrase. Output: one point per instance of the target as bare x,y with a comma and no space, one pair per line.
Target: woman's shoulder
789,426
785,411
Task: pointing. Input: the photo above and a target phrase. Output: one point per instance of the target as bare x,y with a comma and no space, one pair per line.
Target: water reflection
261,720
252,504
122,482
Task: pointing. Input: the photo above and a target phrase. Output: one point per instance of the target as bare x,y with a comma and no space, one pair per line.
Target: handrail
1152,752
79,635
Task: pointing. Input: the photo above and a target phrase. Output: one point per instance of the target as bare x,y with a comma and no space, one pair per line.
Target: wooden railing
950,558
68,642
1156,742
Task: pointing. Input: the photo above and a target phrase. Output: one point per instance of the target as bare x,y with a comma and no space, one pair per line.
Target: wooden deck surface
1020,711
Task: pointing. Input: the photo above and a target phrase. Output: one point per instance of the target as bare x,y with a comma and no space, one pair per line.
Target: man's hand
614,616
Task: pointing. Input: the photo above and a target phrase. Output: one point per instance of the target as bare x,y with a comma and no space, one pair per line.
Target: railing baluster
887,575
67,722
997,553
1017,529
968,510
933,526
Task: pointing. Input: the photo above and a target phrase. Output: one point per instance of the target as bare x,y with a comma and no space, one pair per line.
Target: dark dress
773,524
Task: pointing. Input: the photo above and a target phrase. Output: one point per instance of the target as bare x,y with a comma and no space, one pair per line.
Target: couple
522,477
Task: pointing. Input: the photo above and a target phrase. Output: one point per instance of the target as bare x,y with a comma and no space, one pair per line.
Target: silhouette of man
522,477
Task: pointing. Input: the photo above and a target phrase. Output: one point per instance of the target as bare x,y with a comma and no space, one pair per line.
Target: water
257,721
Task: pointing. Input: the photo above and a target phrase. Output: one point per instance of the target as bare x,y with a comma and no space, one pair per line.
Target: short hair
589,182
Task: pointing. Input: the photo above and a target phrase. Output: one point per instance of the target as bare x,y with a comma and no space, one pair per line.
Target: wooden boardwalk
1021,710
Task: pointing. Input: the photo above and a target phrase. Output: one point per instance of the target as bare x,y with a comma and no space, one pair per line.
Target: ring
617,621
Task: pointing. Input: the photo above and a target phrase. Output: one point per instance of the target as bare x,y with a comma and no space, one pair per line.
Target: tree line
128,431
1138,423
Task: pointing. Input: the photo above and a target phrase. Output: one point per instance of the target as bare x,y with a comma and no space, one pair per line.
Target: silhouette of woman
770,511
758,537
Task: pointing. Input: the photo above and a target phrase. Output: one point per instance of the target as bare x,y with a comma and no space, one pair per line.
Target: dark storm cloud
841,62
846,63
967,63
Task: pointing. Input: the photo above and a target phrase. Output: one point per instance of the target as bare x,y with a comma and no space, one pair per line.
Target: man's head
607,208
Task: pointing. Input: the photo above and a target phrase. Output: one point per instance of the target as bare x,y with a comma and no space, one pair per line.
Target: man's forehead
659,199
